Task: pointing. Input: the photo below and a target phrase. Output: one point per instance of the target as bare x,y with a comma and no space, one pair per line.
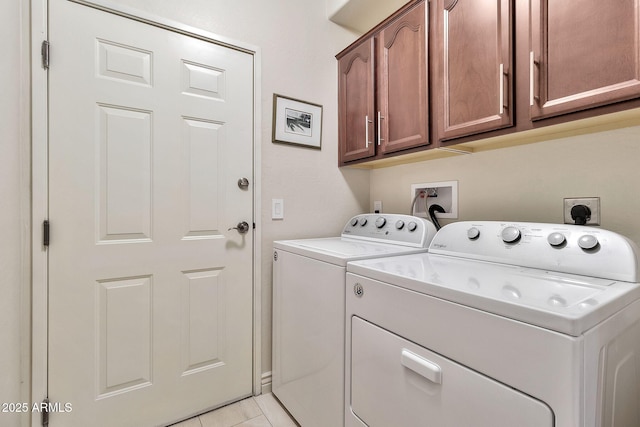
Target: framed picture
296,122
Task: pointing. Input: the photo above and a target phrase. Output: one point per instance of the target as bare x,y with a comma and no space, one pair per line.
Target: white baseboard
266,382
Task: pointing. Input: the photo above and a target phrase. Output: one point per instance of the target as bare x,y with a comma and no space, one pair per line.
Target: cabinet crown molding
352,60
451,5
401,25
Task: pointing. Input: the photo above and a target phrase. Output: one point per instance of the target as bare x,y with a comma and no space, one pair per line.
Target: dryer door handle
421,366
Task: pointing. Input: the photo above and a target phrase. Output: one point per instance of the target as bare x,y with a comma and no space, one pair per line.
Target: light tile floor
259,411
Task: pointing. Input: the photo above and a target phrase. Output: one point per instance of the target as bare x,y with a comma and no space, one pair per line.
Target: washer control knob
354,222
510,234
412,226
588,242
556,239
473,233
363,222
400,224
380,222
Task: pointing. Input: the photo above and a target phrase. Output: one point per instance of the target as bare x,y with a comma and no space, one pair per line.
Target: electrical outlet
377,206
593,203
444,193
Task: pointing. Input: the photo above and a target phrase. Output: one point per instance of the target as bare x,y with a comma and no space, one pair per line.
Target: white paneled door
150,291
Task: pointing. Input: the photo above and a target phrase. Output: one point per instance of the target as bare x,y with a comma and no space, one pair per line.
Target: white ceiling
361,15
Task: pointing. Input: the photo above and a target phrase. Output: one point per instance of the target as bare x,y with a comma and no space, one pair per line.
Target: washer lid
562,302
340,250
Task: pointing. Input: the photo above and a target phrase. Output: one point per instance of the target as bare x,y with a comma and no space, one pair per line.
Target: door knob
242,227
243,183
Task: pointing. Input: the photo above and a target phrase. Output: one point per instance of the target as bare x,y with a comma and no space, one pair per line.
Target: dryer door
397,383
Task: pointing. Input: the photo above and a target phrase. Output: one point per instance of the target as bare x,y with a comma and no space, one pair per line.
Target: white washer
309,304
499,325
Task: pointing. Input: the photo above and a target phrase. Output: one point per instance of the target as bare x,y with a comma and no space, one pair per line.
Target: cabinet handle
421,366
379,128
366,130
533,91
501,105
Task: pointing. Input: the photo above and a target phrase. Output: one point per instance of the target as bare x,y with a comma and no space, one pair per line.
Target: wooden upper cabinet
402,118
383,88
583,54
475,66
356,102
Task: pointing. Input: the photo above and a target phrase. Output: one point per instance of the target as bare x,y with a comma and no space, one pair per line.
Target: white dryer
499,325
309,309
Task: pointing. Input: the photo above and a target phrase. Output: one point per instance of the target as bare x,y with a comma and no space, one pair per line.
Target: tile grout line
266,417
262,414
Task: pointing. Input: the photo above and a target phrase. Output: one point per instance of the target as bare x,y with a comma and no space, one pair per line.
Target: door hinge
45,412
45,233
44,50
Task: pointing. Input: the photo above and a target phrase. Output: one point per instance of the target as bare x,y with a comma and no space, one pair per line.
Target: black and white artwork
296,122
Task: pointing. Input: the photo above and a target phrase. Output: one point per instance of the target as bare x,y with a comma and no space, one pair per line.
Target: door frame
40,182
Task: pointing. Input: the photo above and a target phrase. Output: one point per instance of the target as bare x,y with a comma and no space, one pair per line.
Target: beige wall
528,182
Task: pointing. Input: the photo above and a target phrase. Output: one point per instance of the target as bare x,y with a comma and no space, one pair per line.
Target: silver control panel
399,229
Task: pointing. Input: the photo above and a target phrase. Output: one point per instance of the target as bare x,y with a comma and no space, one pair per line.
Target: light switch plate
277,209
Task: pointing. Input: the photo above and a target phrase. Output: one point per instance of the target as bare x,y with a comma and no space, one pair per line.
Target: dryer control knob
473,233
400,224
354,222
363,222
510,235
380,222
412,226
588,242
556,239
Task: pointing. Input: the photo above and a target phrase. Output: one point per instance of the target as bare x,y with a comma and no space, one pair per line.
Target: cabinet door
356,103
583,53
475,47
402,119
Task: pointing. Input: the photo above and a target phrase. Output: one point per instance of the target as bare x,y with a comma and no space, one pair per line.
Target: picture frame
296,122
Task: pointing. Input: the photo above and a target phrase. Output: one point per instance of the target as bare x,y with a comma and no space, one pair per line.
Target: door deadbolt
242,227
243,183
